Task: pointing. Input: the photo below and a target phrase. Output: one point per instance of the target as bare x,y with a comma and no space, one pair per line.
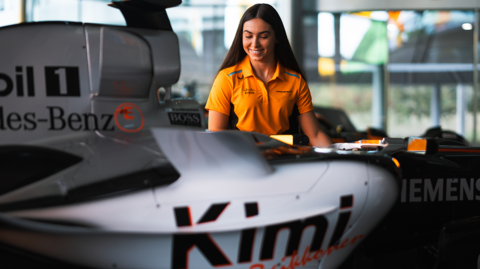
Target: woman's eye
264,37
248,36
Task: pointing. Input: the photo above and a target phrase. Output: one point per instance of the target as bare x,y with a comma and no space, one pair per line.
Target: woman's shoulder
229,71
294,77
291,73
226,78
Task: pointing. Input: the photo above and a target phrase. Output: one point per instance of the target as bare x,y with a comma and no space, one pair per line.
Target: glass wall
400,71
344,58
88,11
10,12
431,71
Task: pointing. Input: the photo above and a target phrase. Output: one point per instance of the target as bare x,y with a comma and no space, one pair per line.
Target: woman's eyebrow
264,32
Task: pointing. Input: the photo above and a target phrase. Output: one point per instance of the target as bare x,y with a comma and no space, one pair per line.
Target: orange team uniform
262,108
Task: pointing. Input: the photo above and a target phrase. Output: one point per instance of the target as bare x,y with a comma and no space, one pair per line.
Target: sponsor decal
57,120
213,253
125,86
249,91
188,119
240,77
184,218
19,79
440,190
213,213
129,118
60,81
308,255
251,209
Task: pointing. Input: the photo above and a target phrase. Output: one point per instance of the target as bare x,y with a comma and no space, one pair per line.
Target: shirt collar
279,72
247,69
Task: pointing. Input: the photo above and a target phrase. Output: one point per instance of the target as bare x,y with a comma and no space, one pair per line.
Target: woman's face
258,40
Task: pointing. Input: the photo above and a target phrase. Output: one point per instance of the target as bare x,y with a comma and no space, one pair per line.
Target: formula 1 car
436,217
98,171
337,125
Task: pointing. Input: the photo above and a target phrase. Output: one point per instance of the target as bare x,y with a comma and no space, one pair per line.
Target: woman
260,82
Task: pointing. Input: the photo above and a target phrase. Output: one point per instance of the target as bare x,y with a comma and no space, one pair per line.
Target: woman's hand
310,126
217,121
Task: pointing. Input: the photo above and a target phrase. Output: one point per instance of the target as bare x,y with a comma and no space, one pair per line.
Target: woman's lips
256,51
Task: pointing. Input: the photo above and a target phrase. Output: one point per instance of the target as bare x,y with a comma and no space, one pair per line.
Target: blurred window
87,11
326,32
424,57
431,71
344,53
10,12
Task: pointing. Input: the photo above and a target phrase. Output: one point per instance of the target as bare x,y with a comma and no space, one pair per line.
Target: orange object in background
365,141
417,144
287,139
397,163
371,136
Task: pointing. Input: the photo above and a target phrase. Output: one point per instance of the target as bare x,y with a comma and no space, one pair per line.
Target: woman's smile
255,51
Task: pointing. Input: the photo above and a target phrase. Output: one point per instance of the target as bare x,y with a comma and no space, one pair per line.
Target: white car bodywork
300,220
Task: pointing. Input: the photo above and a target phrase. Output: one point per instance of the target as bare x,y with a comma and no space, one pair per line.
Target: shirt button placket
264,93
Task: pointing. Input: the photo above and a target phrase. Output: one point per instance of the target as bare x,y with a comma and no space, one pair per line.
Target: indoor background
402,69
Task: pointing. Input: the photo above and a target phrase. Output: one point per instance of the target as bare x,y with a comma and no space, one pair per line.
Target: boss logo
188,119
59,81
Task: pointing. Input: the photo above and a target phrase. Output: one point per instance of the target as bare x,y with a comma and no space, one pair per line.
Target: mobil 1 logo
62,81
182,118
59,81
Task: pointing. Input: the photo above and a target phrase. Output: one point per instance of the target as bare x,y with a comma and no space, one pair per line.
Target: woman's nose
256,43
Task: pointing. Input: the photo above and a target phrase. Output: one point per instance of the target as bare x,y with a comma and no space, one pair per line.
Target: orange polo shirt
260,107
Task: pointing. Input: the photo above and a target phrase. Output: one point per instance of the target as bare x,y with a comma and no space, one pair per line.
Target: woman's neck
264,70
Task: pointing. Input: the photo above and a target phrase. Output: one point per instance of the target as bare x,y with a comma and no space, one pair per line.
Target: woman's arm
312,129
217,121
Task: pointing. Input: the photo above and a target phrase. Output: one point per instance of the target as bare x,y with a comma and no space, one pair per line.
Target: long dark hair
283,51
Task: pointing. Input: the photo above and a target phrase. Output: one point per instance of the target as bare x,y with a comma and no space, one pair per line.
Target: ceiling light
467,26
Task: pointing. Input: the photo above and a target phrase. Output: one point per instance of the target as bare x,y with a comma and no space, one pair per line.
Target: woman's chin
256,57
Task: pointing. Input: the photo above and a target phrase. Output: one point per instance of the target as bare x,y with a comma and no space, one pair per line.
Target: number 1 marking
62,77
